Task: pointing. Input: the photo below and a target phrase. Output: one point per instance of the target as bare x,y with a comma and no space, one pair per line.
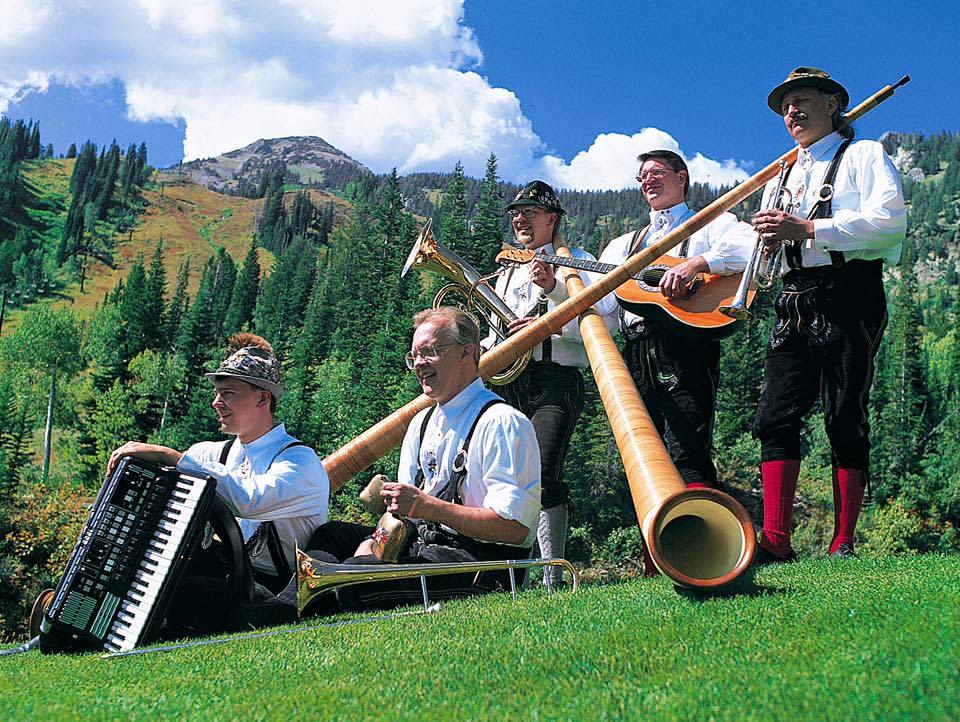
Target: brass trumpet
477,293
764,264
315,577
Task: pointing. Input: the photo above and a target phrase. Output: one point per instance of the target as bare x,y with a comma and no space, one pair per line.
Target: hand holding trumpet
775,226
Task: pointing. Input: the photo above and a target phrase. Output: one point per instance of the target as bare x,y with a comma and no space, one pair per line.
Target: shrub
43,525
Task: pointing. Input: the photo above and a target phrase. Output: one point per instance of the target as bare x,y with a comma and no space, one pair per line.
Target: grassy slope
865,639
191,220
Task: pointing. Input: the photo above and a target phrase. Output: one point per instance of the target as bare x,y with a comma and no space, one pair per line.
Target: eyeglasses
427,353
653,174
527,212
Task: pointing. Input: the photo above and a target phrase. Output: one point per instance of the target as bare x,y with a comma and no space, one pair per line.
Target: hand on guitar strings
543,274
677,280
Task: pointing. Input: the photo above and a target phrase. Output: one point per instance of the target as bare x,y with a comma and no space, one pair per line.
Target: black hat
807,78
537,193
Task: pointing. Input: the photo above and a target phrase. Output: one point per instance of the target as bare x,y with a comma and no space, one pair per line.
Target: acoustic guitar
695,314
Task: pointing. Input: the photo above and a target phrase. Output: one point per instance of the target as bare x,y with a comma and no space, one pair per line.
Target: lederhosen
434,544
551,396
828,326
677,379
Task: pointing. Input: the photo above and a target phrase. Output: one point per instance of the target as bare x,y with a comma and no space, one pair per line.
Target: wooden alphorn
700,538
359,453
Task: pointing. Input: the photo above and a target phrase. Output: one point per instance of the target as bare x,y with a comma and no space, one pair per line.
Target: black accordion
122,574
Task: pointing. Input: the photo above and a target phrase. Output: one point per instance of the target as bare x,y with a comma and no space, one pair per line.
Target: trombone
315,577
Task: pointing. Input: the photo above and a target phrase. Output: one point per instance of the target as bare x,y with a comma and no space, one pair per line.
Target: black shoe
844,551
765,556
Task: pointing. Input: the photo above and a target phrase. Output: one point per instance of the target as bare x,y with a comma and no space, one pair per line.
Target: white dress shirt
869,219
725,243
503,465
292,491
521,295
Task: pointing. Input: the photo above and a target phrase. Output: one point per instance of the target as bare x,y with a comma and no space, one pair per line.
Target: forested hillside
127,283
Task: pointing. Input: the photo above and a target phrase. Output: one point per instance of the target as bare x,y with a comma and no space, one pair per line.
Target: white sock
552,538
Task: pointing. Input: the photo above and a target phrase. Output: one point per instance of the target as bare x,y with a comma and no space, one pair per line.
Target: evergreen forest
85,367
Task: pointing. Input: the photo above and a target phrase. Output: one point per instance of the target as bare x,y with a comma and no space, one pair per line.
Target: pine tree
155,335
245,290
453,212
903,420
179,303
487,232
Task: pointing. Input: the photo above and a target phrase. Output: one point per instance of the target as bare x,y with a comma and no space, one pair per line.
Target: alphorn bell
355,456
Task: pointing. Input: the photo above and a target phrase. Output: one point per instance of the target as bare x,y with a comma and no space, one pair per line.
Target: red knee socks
848,486
779,490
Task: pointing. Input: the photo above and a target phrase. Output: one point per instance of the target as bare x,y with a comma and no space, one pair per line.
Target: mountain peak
309,160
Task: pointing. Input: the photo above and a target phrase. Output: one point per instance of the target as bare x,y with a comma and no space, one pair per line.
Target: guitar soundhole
649,280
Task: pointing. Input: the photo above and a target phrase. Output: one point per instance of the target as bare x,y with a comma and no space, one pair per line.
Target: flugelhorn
479,297
315,577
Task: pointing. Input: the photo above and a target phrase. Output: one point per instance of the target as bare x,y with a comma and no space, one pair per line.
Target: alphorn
699,538
377,441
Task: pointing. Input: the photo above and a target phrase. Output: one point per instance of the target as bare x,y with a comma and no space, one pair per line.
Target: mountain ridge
308,161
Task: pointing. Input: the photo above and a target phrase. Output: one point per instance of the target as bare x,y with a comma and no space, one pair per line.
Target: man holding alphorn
845,219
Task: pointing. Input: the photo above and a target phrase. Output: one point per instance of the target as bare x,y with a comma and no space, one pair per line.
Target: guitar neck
580,263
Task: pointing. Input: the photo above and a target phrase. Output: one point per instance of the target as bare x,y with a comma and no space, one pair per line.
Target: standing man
469,476
845,221
677,376
550,390
274,484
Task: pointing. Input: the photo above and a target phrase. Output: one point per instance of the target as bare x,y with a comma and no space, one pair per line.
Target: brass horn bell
469,291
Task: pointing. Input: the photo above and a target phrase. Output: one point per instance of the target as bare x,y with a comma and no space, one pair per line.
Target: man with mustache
843,220
677,376
550,390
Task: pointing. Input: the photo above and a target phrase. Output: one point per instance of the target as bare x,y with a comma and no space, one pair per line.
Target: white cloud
391,84
611,162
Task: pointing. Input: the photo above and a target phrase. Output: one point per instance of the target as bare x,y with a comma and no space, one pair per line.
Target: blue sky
568,91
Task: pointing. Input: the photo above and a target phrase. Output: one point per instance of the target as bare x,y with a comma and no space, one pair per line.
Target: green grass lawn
841,640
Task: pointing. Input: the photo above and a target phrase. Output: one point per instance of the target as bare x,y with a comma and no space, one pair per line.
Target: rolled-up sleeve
509,466
733,246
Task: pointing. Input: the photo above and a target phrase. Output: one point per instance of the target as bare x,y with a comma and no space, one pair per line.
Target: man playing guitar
677,376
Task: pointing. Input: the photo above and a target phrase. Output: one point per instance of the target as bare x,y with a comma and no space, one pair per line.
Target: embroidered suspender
451,491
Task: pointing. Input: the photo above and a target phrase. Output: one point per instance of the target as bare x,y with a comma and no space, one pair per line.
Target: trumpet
315,577
475,290
763,268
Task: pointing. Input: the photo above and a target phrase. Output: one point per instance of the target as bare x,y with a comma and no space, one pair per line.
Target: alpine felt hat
804,77
537,193
253,364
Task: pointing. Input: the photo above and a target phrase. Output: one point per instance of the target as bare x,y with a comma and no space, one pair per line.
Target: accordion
124,569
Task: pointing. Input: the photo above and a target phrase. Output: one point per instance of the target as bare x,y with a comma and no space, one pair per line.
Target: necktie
805,161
